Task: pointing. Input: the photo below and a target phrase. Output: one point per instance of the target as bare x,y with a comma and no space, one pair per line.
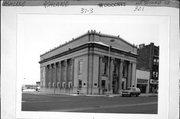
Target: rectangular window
103,83
105,65
156,74
124,72
156,51
80,67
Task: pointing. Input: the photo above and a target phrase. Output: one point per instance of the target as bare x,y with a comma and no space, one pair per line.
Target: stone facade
93,63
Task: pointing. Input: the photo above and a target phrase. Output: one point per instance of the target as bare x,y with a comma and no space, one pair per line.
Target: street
94,104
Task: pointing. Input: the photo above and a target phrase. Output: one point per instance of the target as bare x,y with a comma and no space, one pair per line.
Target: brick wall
143,59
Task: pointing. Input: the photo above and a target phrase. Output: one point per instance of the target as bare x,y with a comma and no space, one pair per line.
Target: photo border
9,44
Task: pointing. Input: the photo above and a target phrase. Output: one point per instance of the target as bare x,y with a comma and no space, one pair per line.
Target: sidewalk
149,94
105,95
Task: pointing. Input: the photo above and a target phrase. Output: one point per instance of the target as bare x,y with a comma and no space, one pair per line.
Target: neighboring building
142,78
82,65
148,60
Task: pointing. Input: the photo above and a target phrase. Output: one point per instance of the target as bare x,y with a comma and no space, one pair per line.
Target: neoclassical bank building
93,64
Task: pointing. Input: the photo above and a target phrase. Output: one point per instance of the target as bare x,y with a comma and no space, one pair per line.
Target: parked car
131,91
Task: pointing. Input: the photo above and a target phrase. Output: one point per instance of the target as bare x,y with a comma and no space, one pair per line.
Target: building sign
152,81
142,81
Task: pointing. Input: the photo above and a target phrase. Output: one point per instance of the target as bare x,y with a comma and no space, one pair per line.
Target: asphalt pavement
37,101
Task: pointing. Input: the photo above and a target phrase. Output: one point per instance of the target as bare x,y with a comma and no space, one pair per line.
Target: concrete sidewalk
149,94
105,95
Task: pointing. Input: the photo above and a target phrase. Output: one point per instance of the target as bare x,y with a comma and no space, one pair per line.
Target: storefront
143,85
153,86
142,78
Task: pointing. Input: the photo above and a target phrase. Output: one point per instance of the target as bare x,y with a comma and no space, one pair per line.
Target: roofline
73,39
89,33
117,37
86,45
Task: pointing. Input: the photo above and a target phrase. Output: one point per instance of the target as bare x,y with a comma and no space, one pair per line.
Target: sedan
131,91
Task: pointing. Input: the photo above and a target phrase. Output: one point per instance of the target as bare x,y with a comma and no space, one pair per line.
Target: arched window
64,85
70,84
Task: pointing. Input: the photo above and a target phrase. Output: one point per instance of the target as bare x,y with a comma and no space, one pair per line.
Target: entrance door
103,84
123,85
115,86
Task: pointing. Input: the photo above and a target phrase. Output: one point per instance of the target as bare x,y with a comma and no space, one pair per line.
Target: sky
40,33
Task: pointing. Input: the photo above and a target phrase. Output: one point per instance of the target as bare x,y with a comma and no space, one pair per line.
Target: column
111,75
53,70
41,76
129,75
56,68
46,76
72,72
108,69
66,73
120,74
60,75
100,72
49,80
133,80
51,75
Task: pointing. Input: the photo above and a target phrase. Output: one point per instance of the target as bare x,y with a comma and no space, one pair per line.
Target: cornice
89,45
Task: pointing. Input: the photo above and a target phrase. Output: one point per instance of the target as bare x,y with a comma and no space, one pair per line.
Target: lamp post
109,62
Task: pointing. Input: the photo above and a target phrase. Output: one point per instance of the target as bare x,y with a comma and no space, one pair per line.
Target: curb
42,93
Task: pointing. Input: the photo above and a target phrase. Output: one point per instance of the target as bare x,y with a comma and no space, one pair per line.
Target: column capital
53,65
112,58
101,56
121,60
129,62
60,63
133,62
50,66
72,59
